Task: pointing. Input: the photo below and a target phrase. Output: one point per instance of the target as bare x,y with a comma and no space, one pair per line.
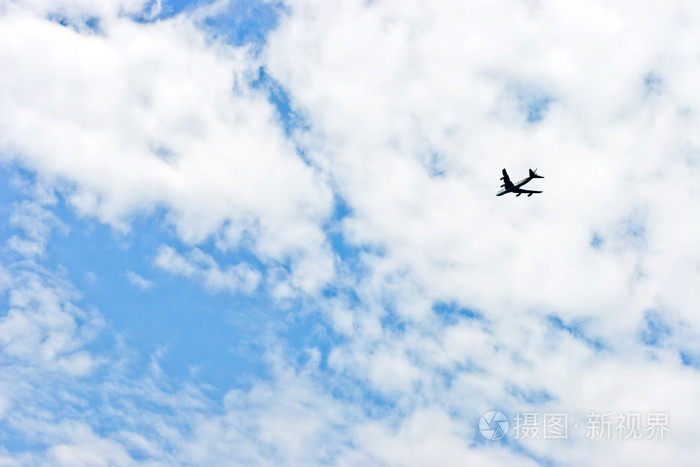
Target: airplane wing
520,191
506,180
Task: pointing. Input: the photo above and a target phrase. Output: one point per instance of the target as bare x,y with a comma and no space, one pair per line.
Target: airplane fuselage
514,187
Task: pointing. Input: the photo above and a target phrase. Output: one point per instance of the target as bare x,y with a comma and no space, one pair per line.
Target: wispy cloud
138,281
42,326
199,265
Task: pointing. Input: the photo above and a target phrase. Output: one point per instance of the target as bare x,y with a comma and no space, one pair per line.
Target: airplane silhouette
510,187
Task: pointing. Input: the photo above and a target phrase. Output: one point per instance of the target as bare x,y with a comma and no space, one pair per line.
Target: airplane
510,187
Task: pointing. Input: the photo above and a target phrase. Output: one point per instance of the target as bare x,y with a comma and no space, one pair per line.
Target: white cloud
43,327
138,281
425,76
430,437
144,116
75,12
35,222
413,109
413,120
199,265
87,448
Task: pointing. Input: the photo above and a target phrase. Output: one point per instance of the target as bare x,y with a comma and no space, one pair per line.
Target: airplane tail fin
533,174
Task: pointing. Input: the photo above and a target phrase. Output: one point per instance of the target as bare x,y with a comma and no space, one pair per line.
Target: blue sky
265,233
